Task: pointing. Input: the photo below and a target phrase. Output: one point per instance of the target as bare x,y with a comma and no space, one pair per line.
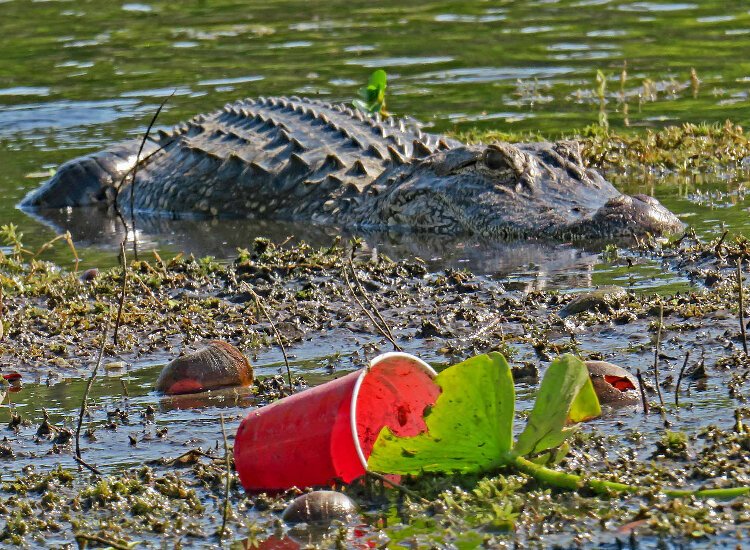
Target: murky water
79,75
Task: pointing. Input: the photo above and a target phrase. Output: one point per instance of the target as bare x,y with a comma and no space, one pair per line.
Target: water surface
77,76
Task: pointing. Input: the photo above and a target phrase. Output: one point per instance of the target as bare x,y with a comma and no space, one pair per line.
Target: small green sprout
373,96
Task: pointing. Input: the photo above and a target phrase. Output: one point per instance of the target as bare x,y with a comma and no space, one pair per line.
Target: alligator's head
517,191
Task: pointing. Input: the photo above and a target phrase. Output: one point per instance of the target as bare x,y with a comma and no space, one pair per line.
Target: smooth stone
320,507
602,296
614,386
217,365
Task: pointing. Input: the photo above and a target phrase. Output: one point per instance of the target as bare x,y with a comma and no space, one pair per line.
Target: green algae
683,149
200,297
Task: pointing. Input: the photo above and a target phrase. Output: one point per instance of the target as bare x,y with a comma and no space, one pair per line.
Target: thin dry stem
135,168
656,354
643,391
679,380
395,485
742,305
380,329
276,333
225,512
84,402
384,326
121,302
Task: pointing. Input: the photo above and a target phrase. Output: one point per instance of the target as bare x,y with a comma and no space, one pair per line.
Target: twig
383,324
135,168
679,380
105,330
742,304
68,238
122,291
103,540
487,327
196,452
225,512
146,289
380,329
717,248
643,391
276,333
395,485
87,465
656,354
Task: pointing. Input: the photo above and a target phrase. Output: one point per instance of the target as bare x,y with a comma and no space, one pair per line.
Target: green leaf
470,427
373,96
566,394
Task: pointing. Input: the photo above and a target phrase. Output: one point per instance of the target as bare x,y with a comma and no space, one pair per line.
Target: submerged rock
320,507
614,386
602,297
217,365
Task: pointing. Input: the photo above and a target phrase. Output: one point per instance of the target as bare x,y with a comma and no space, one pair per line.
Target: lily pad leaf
566,394
469,429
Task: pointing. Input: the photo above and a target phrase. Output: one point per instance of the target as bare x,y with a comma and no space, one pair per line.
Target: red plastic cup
325,434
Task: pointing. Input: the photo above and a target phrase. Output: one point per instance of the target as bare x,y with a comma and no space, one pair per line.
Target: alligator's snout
637,215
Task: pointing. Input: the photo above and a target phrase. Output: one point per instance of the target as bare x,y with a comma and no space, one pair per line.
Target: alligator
302,159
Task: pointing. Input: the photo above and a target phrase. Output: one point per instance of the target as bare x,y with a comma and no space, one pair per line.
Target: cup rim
355,393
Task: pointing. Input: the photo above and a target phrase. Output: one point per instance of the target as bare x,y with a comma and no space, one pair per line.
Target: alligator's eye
495,159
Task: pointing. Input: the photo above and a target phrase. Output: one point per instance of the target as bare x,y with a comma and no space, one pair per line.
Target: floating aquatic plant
470,428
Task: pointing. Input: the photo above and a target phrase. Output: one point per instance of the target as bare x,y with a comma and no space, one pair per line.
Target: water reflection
540,262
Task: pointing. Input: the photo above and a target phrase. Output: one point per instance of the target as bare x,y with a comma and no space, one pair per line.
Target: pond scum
52,320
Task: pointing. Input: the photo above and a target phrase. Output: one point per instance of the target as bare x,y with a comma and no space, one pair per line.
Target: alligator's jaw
636,215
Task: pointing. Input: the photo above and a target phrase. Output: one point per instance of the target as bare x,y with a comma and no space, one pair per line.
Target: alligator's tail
89,180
